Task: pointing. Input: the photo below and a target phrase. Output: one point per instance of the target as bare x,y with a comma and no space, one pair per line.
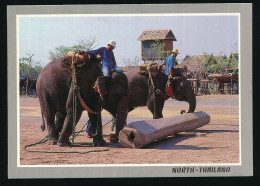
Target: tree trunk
140,133
27,86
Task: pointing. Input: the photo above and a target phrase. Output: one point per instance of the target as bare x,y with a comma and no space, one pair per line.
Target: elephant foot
52,141
64,143
113,138
99,143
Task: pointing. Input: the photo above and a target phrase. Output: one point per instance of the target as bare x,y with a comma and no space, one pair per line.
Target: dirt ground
216,142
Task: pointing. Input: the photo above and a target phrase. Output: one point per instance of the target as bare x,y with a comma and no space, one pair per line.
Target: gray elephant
56,92
142,93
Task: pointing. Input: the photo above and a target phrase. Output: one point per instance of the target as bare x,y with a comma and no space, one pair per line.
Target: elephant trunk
121,116
191,99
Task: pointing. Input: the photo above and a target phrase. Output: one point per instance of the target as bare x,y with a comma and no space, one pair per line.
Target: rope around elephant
76,134
74,108
153,91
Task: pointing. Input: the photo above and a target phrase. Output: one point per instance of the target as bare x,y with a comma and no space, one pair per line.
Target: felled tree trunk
140,133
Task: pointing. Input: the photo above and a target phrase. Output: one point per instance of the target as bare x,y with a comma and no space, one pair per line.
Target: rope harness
74,113
44,140
74,104
153,91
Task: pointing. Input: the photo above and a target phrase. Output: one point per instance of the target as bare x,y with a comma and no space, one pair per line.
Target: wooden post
231,87
196,86
140,133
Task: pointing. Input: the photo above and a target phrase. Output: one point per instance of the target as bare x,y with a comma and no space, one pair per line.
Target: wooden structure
149,37
140,133
194,85
203,88
227,83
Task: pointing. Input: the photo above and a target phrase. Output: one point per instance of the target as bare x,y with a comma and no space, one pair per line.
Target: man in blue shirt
107,58
169,62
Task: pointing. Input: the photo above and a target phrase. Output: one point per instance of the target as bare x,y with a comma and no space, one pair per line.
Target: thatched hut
149,37
227,83
195,65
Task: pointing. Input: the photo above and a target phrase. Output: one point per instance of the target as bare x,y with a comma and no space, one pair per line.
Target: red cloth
168,91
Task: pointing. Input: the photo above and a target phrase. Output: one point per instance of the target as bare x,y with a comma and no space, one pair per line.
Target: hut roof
156,34
194,62
224,78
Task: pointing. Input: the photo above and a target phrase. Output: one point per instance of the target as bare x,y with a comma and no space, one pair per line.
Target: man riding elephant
107,57
108,67
169,63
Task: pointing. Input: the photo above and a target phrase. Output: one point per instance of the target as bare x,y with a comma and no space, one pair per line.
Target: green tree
38,69
30,68
221,64
83,45
158,47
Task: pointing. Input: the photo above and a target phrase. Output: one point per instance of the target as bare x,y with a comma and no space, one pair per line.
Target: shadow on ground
171,142
168,143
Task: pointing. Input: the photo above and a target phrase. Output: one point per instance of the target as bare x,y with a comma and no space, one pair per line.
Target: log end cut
131,138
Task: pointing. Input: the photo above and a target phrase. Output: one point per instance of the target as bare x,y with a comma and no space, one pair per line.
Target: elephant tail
192,102
43,122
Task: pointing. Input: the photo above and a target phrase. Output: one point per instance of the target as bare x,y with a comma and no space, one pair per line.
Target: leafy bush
212,91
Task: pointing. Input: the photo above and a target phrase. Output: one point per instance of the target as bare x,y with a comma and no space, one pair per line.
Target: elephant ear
107,80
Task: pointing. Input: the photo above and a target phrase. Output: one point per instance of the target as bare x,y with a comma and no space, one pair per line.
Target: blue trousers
107,71
89,128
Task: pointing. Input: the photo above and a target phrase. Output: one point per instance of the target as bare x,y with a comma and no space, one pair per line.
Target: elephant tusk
83,104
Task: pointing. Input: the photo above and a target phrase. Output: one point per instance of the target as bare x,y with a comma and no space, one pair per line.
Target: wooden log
140,133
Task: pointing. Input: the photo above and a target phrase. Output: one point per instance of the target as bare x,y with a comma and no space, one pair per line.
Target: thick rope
74,101
153,91
77,133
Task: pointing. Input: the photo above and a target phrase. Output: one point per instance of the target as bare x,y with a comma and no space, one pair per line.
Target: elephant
141,92
56,93
115,100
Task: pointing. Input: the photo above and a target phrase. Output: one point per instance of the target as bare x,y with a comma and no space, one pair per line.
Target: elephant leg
122,112
48,110
156,107
68,123
60,118
120,118
52,132
96,124
68,126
